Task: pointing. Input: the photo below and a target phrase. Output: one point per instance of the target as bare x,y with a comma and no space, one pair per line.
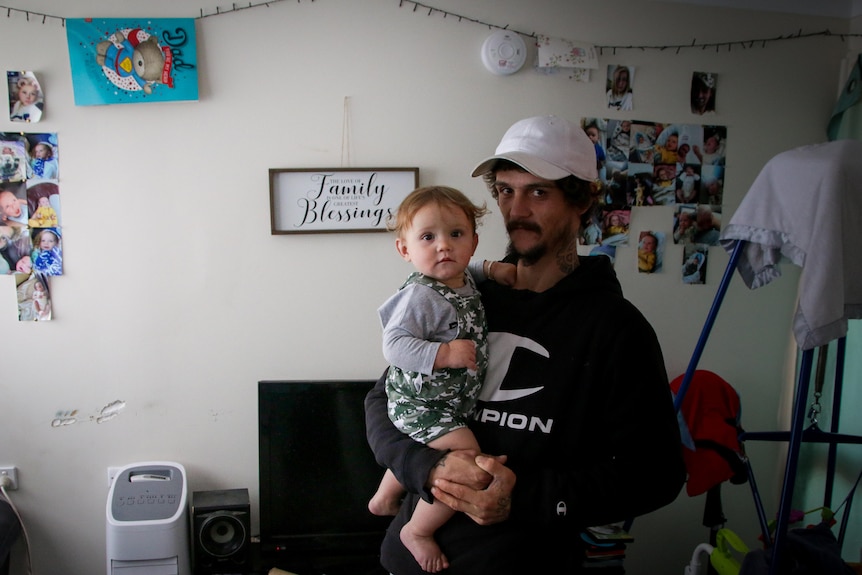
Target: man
576,398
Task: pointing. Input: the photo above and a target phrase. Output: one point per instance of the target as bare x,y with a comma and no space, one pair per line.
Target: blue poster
132,60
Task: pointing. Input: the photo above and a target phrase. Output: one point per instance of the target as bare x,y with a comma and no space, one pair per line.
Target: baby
28,102
45,216
13,210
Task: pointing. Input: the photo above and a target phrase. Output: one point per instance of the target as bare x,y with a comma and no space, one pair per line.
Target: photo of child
619,87
47,256
616,227
45,216
34,299
650,249
684,223
26,100
688,184
41,300
43,161
694,263
595,130
43,201
13,205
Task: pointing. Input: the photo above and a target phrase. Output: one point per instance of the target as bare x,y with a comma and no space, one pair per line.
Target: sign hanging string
345,133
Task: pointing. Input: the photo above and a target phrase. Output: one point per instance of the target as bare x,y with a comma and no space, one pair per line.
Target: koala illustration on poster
133,60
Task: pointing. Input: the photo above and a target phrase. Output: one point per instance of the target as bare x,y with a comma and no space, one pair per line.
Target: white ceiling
830,8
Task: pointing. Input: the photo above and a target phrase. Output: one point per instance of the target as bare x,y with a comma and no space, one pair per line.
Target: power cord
4,496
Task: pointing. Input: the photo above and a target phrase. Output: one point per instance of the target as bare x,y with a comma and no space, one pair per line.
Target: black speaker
221,532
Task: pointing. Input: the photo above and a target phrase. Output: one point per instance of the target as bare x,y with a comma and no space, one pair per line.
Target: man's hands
478,485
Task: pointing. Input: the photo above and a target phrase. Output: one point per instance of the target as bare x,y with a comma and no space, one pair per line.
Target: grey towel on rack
806,205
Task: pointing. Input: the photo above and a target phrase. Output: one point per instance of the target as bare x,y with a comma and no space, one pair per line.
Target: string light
235,8
601,48
218,11
445,13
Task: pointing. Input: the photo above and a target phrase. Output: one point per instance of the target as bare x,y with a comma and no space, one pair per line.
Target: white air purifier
148,520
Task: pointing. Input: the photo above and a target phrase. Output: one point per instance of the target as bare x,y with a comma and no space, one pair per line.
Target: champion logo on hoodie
501,347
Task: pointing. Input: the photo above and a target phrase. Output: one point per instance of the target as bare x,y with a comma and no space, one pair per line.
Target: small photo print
43,202
694,261
620,86
595,129
615,227
643,141
650,251
707,224
640,185
619,134
15,250
44,156
26,100
714,146
13,205
684,226
13,157
712,185
34,299
47,252
688,184
704,86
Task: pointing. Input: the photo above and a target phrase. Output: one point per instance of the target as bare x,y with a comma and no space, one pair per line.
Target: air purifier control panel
141,494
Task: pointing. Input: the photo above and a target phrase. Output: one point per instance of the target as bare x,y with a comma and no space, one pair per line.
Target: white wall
177,300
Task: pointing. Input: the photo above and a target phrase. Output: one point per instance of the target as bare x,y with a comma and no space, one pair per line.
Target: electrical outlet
11,473
112,473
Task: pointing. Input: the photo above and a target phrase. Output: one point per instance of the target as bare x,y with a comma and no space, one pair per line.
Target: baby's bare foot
425,550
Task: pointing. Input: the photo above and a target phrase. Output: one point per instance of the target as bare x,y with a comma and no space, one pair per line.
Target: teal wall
811,478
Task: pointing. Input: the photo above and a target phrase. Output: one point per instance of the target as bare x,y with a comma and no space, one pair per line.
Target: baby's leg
387,499
418,533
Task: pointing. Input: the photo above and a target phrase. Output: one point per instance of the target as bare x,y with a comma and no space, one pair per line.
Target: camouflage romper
426,407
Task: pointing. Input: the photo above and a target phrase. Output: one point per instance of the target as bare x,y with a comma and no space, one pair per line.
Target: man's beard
535,253
529,257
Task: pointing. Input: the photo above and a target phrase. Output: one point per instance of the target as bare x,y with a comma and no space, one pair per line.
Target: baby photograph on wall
26,100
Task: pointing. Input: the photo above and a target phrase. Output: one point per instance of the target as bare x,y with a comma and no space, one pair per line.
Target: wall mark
69,417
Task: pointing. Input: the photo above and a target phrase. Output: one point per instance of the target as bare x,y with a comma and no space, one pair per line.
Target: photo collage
30,236
645,164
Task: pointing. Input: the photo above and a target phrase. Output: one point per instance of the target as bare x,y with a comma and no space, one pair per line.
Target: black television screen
317,473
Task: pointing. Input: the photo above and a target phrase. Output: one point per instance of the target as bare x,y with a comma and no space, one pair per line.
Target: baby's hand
503,273
457,353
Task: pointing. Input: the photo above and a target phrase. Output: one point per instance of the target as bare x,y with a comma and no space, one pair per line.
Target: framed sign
318,200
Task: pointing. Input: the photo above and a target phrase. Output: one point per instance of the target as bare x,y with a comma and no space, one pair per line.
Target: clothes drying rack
783,231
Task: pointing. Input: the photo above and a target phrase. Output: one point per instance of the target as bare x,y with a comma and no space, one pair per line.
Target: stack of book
605,547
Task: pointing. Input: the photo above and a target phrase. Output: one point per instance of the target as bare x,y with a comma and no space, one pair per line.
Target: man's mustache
523,225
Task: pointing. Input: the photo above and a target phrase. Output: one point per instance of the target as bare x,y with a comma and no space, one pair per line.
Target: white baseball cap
546,146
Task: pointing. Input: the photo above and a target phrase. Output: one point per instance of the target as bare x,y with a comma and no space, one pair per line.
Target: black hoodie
577,397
